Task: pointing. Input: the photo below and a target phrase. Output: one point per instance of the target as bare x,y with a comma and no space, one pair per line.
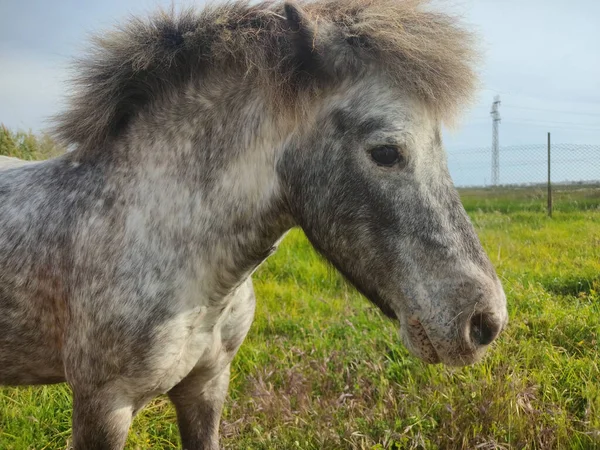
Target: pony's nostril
484,329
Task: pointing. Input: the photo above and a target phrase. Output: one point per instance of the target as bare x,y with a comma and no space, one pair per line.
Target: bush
28,146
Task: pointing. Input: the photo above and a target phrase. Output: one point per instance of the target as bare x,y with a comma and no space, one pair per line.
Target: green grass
322,369
508,199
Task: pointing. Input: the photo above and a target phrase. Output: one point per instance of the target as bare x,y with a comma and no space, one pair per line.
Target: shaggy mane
427,53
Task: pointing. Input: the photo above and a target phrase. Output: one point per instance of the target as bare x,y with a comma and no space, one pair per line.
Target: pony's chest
205,340
226,337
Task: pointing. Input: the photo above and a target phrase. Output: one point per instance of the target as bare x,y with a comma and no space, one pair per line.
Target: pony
199,138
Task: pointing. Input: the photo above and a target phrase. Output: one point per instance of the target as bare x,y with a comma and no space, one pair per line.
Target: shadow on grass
575,286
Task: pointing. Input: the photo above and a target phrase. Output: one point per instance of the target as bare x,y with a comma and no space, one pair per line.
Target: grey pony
199,139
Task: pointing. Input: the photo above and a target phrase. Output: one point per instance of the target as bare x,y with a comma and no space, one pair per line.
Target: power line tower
495,141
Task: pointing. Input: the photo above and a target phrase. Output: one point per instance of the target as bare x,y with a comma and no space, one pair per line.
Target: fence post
549,181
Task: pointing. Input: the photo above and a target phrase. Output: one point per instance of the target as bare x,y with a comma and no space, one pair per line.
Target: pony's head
367,178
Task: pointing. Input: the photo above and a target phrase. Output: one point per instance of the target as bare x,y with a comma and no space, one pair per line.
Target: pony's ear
302,33
294,16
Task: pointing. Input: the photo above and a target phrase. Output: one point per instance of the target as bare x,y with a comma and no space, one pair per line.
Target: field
322,369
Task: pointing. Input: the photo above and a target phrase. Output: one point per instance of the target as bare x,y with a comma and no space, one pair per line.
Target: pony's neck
205,166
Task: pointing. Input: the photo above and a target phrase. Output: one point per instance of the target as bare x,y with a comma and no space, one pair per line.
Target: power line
480,151
592,162
553,110
549,123
561,122
526,148
528,162
573,127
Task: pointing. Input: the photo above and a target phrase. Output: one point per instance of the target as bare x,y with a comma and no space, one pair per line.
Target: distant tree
26,145
8,147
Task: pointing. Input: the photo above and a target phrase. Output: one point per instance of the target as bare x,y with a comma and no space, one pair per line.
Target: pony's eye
386,155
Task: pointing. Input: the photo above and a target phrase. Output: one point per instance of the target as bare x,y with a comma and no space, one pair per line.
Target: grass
322,369
508,199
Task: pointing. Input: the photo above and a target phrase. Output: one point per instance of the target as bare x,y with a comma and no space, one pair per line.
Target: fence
523,175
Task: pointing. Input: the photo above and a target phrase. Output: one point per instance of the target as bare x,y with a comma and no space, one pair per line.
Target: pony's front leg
101,420
199,405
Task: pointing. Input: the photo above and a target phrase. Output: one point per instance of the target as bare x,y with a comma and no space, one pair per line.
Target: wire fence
523,176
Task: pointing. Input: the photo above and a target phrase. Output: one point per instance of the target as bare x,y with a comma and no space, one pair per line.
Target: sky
540,56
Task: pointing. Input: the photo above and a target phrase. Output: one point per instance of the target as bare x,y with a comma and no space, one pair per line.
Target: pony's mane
288,48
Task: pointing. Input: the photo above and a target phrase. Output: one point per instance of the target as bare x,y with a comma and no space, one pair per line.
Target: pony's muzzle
483,325
464,339
483,328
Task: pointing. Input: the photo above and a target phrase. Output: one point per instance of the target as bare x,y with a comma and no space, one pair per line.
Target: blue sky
541,57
